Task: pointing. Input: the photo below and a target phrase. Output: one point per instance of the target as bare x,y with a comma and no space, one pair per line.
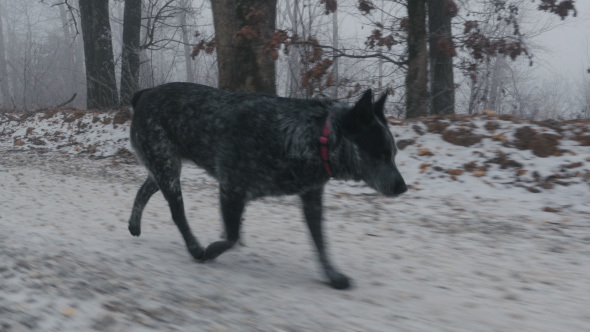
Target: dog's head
365,125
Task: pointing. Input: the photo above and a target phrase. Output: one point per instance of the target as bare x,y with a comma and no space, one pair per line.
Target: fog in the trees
325,48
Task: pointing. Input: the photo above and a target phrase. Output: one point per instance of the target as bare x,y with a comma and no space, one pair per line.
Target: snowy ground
480,243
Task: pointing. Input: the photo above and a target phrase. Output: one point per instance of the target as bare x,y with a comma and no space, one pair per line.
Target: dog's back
262,139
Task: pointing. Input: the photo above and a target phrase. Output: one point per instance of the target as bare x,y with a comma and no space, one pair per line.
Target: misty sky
568,45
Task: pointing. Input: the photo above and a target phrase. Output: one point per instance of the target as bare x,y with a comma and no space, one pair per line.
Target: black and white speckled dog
258,145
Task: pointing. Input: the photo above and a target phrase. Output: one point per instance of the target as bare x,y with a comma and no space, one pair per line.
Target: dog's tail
137,96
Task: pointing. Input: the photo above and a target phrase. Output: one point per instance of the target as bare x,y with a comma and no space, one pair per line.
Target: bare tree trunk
494,96
417,76
294,70
146,79
69,52
242,27
380,61
3,69
80,71
442,84
190,75
130,52
98,51
335,77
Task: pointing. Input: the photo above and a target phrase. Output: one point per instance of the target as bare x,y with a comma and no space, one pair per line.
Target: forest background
520,57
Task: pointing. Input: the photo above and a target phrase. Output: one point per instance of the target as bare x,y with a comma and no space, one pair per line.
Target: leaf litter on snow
478,155
490,212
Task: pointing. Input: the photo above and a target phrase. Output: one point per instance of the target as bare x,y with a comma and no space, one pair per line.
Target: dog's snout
394,188
400,187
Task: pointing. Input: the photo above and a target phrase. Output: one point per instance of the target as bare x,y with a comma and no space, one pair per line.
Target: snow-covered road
431,260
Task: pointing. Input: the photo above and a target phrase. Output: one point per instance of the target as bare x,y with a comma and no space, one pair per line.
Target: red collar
324,146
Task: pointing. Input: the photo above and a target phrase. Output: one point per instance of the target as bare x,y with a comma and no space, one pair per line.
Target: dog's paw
134,229
217,248
339,281
198,253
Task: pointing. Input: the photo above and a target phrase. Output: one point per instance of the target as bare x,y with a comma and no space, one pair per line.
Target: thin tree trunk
417,76
12,52
145,62
294,71
494,96
98,51
69,52
242,61
130,52
190,75
380,61
3,69
78,70
442,84
335,76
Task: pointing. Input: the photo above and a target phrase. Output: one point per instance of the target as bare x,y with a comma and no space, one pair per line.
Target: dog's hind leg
165,171
144,193
232,206
312,209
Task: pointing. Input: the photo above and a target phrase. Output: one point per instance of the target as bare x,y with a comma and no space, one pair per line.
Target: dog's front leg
232,206
312,209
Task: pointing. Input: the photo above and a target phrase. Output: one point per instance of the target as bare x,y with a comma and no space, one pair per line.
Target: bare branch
339,53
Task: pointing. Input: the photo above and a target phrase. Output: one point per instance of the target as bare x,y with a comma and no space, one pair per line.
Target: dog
258,145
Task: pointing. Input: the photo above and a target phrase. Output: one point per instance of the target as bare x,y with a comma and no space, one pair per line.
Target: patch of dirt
542,145
551,124
402,144
503,160
125,156
50,113
584,140
474,167
492,126
425,152
461,136
436,126
122,116
77,114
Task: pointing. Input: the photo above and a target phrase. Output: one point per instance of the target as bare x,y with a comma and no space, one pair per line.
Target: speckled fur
257,145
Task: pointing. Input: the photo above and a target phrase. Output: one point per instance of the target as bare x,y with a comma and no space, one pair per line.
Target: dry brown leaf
500,137
425,152
573,165
67,311
455,172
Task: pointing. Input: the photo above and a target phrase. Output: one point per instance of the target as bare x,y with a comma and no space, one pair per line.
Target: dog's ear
360,115
378,107
362,110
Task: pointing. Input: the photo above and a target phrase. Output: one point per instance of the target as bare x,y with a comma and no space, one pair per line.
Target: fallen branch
67,102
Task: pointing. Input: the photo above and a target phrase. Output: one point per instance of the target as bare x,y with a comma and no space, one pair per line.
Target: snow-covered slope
494,235
487,154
